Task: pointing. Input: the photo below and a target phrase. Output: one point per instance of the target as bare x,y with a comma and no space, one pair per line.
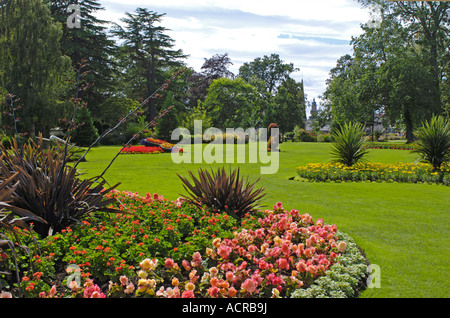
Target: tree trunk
409,125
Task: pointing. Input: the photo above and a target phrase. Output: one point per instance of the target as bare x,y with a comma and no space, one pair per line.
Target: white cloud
310,34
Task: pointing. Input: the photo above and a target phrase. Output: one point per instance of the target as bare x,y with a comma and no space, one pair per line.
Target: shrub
86,133
347,147
50,189
301,134
433,142
13,224
222,191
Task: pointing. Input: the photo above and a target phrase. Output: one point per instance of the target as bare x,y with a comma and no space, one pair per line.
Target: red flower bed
141,150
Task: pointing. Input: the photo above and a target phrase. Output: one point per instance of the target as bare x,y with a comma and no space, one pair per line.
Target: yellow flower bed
398,172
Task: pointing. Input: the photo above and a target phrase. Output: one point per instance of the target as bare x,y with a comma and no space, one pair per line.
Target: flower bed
173,249
141,150
164,145
389,145
399,172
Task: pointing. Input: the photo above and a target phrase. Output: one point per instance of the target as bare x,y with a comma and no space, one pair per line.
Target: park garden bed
375,172
161,248
389,145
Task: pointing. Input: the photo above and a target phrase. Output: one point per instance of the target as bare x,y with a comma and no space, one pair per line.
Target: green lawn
403,228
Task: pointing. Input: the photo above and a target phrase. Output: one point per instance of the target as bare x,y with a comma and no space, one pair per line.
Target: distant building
309,121
313,109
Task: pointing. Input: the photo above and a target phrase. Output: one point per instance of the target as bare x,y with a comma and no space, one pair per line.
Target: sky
310,34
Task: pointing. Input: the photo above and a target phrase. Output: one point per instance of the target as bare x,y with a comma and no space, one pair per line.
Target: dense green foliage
397,71
32,65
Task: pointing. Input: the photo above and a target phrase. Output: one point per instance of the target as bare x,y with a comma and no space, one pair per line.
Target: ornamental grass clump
50,189
347,147
433,142
223,191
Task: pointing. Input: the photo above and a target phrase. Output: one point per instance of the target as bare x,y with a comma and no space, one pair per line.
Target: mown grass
404,228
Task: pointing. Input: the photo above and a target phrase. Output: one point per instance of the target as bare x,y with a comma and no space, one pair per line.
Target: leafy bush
222,191
301,134
86,133
433,141
347,147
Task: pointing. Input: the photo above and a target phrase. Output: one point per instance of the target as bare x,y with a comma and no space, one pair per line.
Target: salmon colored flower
189,286
249,285
188,294
342,246
283,263
123,280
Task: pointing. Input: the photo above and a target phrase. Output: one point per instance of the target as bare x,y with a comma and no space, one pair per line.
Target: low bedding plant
175,249
375,172
389,145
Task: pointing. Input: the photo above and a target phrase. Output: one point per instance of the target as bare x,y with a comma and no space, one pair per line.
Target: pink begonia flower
242,266
224,251
286,248
169,263
213,291
278,206
196,259
97,294
230,276
249,285
188,294
172,292
213,271
4,294
123,280
342,246
312,270
301,266
228,266
73,285
52,292
232,292
262,264
319,222
129,289
214,281
282,263
186,265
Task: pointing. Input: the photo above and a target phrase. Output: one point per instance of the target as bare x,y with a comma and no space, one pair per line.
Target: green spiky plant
347,147
13,223
50,189
222,191
433,142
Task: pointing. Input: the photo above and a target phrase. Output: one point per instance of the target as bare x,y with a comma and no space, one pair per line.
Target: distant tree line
398,71
40,57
